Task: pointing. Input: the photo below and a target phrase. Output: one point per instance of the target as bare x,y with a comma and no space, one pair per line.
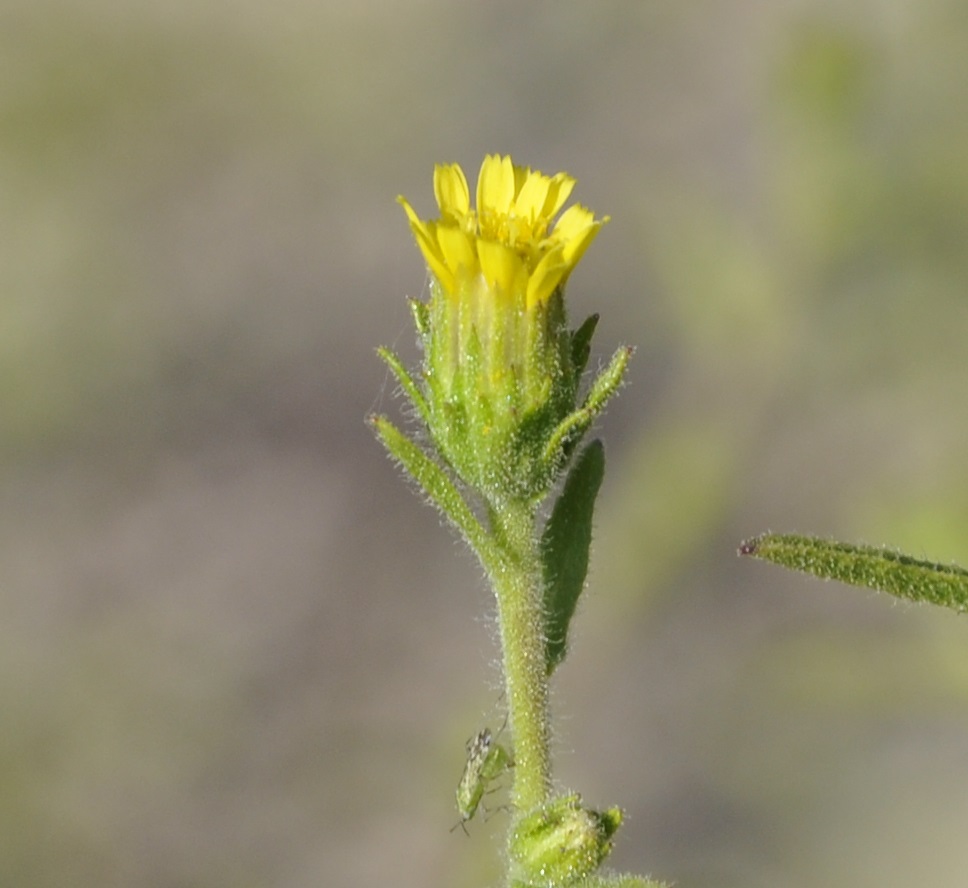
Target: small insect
486,761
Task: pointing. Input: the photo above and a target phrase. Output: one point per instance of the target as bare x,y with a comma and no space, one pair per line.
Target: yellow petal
409,210
495,185
507,240
457,249
559,190
531,200
426,238
502,267
425,233
576,229
547,275
573,220
439,268
450,189
521,175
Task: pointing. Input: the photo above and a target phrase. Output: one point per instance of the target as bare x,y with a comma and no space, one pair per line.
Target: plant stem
518,585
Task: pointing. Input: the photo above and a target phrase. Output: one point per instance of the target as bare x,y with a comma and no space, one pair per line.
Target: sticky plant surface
502,405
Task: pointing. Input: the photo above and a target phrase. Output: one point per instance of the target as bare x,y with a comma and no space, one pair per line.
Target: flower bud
500,371
559,843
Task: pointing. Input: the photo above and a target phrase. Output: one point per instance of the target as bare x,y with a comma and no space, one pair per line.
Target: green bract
560,842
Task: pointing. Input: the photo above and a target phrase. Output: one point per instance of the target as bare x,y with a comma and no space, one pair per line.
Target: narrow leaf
618,881
573,426
420,312
881,569
581,344
564,548
410,388
436,483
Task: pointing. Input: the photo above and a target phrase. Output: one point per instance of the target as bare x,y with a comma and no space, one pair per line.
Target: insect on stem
486,761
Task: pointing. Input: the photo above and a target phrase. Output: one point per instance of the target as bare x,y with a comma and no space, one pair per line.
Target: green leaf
410,388
421,318
609,881
436,483
564,548
881,569
570,430
581,344
619,881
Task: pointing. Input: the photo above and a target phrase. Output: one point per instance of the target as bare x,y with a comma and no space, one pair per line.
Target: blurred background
236,650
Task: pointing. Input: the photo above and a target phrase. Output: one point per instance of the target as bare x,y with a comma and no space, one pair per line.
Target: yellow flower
501,389
508,245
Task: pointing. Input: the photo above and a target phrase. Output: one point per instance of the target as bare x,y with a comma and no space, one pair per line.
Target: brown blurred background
236,650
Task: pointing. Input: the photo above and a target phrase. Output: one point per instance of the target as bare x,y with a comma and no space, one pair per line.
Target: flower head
510,245
499,389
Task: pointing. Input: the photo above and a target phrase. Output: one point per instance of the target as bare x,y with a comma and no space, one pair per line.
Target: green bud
560,842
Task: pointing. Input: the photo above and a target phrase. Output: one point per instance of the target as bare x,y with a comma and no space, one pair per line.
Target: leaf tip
749,547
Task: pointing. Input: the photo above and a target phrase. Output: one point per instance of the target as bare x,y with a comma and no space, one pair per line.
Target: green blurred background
237,650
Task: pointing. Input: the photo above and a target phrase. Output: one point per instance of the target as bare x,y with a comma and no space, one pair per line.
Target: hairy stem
518,585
